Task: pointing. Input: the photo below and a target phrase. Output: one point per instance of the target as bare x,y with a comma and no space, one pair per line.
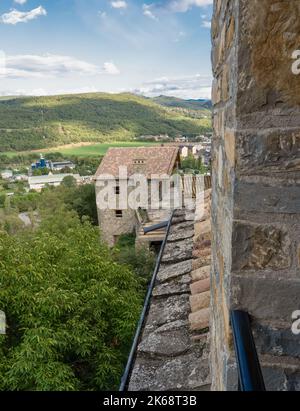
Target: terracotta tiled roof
144,160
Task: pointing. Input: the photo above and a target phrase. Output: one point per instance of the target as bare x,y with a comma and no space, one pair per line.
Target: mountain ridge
28,123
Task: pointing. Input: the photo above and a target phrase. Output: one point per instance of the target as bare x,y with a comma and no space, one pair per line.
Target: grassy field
98,149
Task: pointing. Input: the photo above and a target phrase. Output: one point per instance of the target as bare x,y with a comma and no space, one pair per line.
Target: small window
119,213
117,190
139,161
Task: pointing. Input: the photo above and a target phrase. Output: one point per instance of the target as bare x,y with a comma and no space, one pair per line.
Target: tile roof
144,160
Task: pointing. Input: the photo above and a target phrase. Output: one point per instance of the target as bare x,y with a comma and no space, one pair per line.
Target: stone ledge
200,286
201,273
200,319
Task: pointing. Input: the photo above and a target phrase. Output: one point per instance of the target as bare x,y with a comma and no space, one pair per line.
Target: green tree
71,309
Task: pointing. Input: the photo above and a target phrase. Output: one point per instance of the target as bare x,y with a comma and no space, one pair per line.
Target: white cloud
110,68
196,86
148,11
20,1
184,5
119,4
206,24
50,65
15,16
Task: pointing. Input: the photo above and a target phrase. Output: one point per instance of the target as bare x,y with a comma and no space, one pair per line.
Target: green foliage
41,171
71,309
191,164
25,202
40,122
142,261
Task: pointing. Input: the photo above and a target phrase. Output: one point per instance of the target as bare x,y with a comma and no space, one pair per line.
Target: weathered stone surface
201,273
268,199
169,309
179,285
201,252
200,286
260,247
181,231
266,298
260,152
170,340
171,271
200,301
200,319
188,372
276,341
201,261
203,227
178,251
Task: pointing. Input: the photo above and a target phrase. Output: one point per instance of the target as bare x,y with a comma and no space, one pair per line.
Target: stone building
147,161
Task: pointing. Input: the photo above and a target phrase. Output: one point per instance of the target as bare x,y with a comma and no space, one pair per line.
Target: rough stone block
200,320
200,301
266,298
171,271
178,251
263,197
259,247
276,341
201,273
200,286
169,340
179,285
165,310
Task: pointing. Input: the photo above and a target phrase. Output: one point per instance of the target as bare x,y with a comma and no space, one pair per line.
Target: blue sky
68,46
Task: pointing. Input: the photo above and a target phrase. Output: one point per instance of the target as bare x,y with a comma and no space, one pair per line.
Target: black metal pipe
156,227
249,370
125,378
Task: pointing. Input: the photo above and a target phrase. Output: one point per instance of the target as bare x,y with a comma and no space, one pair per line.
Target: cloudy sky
151,47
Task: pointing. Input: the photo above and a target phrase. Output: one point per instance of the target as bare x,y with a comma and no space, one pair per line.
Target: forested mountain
28,123
200,104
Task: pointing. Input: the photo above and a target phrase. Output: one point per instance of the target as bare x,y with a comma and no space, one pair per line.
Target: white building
6,174
39,182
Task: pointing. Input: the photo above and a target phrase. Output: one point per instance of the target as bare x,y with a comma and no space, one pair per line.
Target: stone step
200,301
200,286
201,273
200,319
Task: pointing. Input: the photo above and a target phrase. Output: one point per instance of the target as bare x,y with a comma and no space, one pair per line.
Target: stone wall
256,185
111,226
173,353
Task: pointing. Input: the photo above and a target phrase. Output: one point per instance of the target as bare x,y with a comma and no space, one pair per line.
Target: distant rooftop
51,178
146,160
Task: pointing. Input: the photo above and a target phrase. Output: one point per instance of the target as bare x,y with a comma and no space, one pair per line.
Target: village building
37,183
147,161
6,174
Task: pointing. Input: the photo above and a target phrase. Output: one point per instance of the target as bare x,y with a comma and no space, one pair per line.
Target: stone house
142,160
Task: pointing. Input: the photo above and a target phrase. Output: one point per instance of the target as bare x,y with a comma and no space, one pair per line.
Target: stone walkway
173,353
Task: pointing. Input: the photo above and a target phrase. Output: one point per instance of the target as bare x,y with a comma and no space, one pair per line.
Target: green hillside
180,103
29,123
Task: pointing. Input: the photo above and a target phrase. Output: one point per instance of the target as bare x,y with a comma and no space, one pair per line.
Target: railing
130,363
249,370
